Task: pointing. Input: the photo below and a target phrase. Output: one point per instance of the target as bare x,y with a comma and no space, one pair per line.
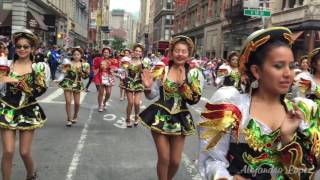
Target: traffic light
59,35
105,42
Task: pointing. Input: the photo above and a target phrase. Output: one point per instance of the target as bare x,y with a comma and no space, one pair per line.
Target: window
267,3
239,40
200,42
292,3
169,20
169,4
167,34
301,2
216,8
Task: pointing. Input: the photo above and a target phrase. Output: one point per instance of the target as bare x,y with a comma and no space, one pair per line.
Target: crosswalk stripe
52,96
82,96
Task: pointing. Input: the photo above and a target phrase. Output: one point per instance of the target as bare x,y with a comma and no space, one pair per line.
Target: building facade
217,27
150,26
129,25
202,21
188,21
117,19
162,24
98,33
303,19
78,23
123,25
237,27
144,20
54,21
220,26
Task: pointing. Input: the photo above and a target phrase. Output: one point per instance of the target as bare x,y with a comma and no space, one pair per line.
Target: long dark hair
186,66
231,55
313,63
258,58
81,52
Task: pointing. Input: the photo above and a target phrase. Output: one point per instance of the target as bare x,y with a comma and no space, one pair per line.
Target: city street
99,146
272,48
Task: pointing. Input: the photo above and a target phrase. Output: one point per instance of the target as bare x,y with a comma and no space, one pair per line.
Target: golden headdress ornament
258,38
186,39
25,33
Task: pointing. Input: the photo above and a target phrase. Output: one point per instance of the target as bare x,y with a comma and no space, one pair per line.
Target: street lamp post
263,18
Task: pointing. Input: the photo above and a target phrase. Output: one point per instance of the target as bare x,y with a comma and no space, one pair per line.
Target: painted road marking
109,117
191,168
77,154
120,123
59,92
53,95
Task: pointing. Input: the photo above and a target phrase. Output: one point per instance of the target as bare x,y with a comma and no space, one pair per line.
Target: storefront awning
296,35
36,21
5,18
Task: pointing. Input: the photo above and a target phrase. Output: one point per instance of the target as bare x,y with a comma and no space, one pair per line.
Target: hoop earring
254,84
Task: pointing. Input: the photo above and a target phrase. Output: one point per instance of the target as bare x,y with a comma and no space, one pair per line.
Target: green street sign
257,12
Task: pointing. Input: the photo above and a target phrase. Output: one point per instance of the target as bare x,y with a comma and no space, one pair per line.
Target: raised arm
220,121
191,89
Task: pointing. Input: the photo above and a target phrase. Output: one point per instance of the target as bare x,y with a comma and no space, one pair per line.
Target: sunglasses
24,47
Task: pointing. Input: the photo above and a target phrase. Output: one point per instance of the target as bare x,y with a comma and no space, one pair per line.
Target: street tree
117,44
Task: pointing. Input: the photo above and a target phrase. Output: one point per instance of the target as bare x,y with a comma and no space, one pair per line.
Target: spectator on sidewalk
53,60
89,58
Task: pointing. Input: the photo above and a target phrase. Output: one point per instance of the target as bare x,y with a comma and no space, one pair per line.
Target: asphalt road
99,147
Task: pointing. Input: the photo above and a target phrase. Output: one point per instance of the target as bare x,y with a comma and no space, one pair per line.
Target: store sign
31,21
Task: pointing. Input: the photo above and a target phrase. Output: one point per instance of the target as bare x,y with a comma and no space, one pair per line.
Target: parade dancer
106,52
25,81
314,86
72,83
133,83
105,82
169,118
123,66
263,133
228,73
121,74
303,82
307,84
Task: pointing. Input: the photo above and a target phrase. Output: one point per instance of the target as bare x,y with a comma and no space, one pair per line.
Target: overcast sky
128,5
